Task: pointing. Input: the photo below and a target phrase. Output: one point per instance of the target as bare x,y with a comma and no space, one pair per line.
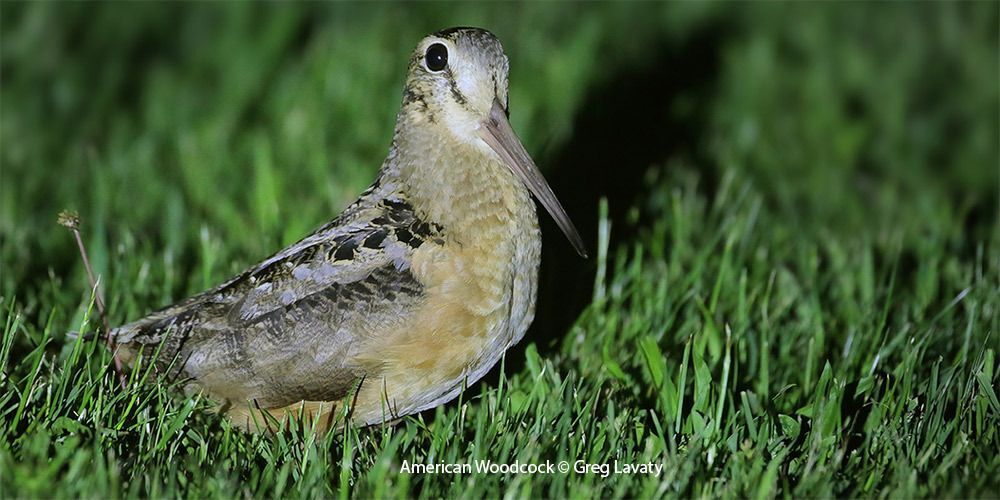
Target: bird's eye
436,57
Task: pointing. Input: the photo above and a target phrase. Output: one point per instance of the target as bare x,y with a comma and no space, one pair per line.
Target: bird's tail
87,337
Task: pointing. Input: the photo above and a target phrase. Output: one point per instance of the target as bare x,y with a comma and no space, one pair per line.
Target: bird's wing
284,330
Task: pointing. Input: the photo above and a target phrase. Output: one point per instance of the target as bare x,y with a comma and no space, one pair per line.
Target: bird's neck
458,186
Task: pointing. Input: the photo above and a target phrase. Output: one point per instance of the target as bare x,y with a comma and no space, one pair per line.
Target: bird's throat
465,190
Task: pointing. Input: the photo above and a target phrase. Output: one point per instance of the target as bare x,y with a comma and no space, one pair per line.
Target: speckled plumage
414,290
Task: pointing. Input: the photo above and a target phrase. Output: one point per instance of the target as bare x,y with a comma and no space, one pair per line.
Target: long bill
499,135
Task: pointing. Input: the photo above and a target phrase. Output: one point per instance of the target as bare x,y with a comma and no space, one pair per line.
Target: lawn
791,211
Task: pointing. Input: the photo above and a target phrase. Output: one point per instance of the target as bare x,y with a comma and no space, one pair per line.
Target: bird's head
457,85
455,76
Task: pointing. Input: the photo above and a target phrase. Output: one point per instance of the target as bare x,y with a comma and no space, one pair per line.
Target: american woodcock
415,290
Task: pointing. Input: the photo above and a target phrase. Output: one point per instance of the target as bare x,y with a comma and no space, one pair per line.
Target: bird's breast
480,283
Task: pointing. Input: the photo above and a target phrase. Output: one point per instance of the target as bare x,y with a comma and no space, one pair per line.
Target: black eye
436,57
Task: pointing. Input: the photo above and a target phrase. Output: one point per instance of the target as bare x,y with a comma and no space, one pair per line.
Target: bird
412,293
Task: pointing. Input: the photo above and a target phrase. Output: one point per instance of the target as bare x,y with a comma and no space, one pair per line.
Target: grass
798,299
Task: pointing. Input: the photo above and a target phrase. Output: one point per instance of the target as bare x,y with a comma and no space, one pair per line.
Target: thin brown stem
71,220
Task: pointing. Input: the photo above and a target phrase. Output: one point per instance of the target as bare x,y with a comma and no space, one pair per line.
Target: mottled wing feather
285,330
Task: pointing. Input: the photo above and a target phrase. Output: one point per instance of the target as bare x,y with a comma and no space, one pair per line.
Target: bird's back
288,328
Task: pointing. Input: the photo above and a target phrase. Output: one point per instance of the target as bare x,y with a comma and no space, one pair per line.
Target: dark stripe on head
414,98
448,33
453,86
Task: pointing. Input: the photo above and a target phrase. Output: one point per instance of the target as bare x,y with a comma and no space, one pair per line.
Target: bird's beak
499,135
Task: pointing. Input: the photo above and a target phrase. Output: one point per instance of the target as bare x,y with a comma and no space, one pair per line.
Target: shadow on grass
645,114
